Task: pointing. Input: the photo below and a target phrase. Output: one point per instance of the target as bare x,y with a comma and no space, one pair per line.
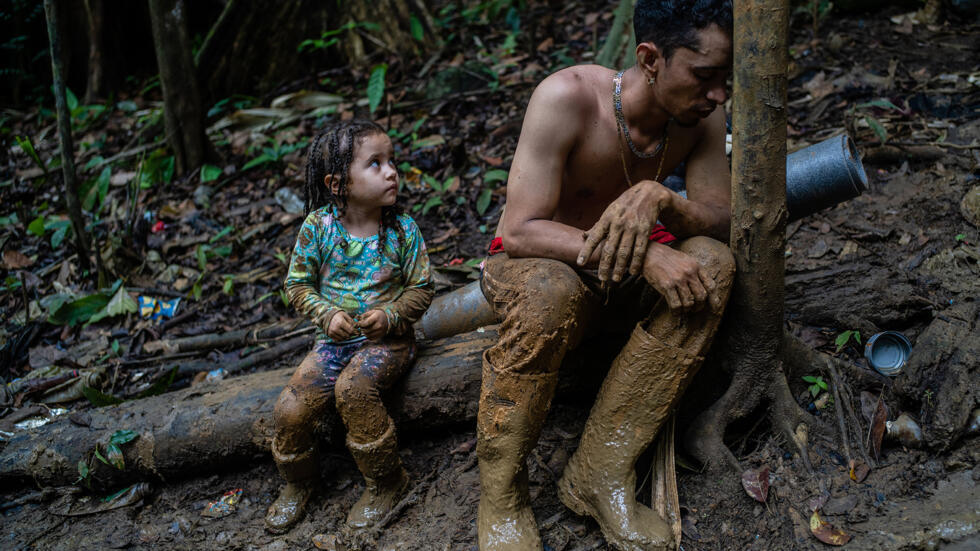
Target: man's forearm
686,218
544,239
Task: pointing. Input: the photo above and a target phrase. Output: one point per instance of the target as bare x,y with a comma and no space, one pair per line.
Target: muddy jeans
546,307
355,373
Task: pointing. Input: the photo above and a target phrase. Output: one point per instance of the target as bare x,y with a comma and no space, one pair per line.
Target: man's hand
678,277
374,324
625,225
341,327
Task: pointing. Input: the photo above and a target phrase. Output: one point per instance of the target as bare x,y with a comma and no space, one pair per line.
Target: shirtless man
582,200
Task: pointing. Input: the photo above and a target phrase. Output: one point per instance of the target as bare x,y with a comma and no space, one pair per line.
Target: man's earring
651,80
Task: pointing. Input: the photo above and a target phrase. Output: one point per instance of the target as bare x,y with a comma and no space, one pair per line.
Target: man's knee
714,256
553,295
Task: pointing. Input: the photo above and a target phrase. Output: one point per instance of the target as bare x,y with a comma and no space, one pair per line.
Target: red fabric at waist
658,234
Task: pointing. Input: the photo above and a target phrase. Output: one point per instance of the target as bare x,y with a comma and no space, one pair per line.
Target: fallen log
214,426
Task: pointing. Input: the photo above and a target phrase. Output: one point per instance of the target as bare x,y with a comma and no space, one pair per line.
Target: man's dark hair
672,24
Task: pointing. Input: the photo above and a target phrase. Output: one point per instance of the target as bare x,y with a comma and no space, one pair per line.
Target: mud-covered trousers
352,375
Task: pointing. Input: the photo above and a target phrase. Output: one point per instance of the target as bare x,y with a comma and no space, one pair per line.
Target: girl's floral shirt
332,270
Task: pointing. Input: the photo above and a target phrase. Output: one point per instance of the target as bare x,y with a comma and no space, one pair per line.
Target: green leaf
814,390
260,160
209,173
71,99
121,303
843,338
222,251
960,237
115,456
376,86
99,398
99,456
161,385
882,103
495,175
229,286
224,231
59,234
94,193
483,201
822,384
78,311
879,130
428,141
12,219
28,147
167,169
416,27
37,226
202,256
115,495
432,202
83,470
810,378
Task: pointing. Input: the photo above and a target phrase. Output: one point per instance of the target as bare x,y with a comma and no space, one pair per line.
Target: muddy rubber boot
385,478
512,410
639,393
301,473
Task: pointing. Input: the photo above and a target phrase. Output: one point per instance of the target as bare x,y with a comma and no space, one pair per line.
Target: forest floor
895,258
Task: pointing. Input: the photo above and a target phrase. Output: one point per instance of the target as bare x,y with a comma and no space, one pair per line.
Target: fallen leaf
859,470
817,502
756,483
546,44
327,541
16,260
878,427
827,533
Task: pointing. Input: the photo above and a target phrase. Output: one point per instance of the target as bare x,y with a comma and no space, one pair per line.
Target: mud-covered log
941,382
228,424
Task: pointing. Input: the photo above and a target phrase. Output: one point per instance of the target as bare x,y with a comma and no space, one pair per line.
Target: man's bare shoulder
573,90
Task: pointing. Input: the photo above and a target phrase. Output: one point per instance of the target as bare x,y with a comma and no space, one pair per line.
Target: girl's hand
374,324
341,327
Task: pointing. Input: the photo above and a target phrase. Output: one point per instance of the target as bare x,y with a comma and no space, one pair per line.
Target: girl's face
373,179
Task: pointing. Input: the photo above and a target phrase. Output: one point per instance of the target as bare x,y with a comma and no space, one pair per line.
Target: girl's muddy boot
385,478
512,410
301,474
639,393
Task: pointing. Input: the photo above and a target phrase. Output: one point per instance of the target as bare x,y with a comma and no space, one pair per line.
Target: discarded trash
905,430
68,506
973,424
157,309
289,201
40,420
823,175
224,506
888,352
216,375
158,227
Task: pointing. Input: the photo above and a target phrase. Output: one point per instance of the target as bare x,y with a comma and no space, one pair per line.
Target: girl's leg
370,430
300,407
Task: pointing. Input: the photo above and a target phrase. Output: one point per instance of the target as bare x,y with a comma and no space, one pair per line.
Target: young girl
360,272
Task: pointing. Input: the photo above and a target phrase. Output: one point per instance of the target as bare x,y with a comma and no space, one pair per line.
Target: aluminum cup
888,352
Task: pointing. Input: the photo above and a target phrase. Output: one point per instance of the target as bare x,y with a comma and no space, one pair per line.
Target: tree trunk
64,135
394,33
212,425
95,85
619,49
183,114
753,334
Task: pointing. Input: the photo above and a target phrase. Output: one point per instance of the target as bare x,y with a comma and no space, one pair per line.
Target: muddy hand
625,225
374,324
341,327
678,277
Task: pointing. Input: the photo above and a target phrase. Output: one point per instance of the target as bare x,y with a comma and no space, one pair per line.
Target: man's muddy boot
301,473
385,478
639,393
512,410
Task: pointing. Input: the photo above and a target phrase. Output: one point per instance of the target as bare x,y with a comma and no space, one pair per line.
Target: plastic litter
289,201
40,420
157,309
905,430
224,506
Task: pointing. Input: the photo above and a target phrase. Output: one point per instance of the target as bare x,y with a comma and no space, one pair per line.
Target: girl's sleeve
417,293
303,280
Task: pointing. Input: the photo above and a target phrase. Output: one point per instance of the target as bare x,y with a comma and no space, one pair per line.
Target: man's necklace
625,131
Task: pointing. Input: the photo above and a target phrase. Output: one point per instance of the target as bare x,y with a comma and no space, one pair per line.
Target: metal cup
823,175
888,352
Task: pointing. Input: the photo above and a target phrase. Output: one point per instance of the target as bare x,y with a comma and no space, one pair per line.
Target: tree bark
183,114
753,332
